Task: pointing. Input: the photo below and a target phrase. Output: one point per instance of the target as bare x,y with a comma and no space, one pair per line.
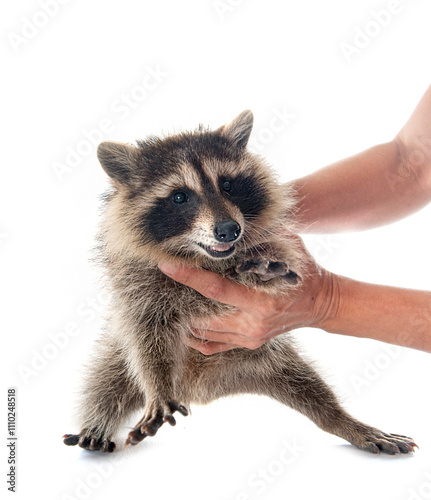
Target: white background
67,74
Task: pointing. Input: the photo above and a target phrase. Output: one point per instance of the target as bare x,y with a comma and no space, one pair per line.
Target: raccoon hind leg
278,371
304,390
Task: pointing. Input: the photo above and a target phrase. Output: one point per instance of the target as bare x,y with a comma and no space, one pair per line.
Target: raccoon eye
180,198
226,186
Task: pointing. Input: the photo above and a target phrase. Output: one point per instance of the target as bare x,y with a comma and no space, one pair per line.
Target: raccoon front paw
265,269
376,441
88,442
154,417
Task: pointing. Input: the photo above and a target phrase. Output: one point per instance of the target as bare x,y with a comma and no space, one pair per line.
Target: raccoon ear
118,160
239,129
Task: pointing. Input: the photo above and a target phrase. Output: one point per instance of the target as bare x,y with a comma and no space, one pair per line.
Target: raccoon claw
179,408
392,444
89,443
265,269
71,439
152,421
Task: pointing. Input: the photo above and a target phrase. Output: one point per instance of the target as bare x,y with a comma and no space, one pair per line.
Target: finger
235,323
213,336
228,338
209,348
210,285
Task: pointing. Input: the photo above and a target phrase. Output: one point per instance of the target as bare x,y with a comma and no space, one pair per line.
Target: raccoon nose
227,231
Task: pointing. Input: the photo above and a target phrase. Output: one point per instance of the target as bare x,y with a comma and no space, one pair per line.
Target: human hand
259,316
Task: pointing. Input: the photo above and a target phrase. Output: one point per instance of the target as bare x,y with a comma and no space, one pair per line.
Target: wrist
327,301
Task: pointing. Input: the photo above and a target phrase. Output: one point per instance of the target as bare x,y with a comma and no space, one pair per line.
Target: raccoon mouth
219,251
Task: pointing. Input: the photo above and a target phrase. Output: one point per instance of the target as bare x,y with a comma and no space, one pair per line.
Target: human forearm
370,189
376,187
395,315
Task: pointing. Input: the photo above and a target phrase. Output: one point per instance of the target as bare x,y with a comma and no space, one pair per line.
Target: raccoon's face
195,196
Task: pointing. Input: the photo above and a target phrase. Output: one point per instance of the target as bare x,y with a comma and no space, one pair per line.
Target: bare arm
394,315
333,303
375,187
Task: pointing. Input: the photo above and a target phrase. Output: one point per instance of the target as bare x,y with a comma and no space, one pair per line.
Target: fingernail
168,268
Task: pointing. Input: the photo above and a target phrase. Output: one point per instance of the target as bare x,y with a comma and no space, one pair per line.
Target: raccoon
199,198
